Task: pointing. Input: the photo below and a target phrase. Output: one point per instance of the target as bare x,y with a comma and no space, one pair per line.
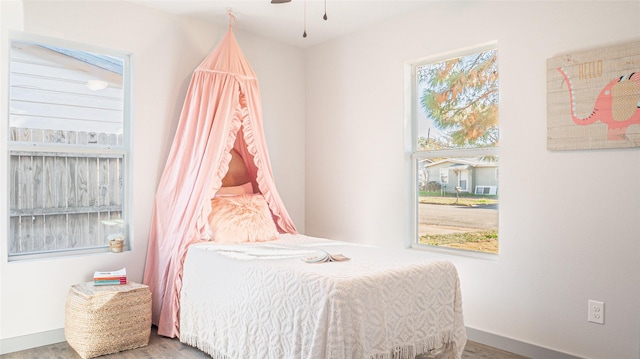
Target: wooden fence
63,200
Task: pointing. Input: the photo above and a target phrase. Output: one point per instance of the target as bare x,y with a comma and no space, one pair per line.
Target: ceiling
285,22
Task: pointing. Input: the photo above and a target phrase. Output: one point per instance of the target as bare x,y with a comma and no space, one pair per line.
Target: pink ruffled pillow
243,218
246,188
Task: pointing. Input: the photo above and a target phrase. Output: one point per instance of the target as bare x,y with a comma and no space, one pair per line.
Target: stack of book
110,278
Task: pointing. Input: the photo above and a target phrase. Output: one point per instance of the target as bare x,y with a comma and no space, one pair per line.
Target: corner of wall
11,18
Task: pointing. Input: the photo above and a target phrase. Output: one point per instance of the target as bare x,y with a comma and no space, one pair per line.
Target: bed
264,300
225,263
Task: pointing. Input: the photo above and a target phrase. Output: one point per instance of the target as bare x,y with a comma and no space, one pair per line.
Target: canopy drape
222,110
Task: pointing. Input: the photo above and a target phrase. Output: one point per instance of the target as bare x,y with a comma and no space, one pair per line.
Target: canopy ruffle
222,110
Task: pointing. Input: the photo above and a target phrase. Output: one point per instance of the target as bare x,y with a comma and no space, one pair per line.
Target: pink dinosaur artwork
594,99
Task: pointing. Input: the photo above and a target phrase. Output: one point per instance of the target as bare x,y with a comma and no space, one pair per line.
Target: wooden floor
164,348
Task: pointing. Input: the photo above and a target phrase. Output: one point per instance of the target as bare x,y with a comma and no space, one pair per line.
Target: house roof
102,61
465,163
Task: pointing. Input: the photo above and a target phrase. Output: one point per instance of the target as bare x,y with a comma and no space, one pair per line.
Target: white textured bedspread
261,300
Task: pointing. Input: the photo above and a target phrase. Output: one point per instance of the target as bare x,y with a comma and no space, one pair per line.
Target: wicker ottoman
107,319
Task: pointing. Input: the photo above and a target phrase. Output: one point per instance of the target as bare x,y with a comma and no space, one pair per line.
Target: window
454,145
69,147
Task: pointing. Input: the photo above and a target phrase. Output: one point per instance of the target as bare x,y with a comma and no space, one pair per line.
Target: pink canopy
222,110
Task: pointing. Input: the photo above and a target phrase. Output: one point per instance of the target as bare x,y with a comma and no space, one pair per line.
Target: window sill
455,252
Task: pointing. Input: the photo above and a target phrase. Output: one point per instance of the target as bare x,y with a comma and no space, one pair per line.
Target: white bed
262,300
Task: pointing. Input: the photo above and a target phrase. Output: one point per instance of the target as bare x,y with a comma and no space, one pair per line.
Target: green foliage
440,239
461,96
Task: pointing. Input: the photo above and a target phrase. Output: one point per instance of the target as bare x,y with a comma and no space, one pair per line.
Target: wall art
593,99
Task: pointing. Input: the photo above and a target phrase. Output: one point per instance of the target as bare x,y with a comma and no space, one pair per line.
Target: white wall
280,70
166,49
562,242
567,232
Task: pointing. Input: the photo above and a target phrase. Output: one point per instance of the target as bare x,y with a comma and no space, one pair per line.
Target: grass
463,199
482,241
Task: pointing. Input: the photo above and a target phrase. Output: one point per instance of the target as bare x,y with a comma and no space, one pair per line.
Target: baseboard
24,342
515,346
29,341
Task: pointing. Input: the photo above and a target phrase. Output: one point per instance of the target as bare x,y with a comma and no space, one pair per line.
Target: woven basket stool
107,319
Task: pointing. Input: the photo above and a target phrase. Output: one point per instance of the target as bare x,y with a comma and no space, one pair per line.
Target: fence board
48,232
61,200
76,224
49,183
14,174
25,190
14,234
55,232
94,233
61,178
103,182
82,195
37,233
72,195
114,183
92,182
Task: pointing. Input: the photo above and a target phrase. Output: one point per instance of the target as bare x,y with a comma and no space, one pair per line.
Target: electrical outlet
596,312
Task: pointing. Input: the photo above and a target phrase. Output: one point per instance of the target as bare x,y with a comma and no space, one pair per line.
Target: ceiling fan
304,34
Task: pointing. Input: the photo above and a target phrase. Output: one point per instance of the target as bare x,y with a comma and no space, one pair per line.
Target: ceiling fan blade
280,1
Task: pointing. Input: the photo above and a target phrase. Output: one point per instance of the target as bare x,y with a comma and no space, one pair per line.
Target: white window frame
414,156
123,151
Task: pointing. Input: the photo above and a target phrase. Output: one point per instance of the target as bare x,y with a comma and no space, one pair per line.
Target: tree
430,144
461,97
